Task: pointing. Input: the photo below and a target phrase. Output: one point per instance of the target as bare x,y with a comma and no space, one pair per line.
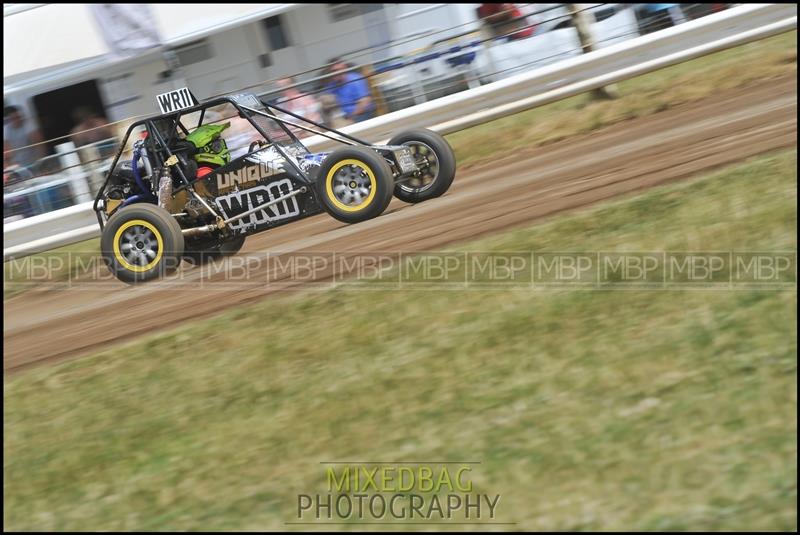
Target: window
276,35
603,14
339,12
194,52
369,8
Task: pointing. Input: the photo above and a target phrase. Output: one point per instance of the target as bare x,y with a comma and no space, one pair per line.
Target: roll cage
157,144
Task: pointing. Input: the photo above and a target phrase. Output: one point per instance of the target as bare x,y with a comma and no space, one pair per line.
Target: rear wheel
438,165
355,184
141,242
204,254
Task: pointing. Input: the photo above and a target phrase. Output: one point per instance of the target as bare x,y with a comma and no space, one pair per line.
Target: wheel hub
351,185
429,167
138,245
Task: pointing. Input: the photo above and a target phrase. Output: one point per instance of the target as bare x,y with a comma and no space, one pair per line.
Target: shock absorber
165,188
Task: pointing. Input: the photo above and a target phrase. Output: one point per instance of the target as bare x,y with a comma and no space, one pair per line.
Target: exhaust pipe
197,231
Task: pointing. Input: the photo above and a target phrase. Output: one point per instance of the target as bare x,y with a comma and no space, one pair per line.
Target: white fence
566,78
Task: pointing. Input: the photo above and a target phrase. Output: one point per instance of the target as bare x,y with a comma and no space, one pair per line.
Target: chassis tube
306,128
318,125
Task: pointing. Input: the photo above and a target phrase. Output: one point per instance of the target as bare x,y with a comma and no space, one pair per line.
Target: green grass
63,264
652,410
657,91
640,96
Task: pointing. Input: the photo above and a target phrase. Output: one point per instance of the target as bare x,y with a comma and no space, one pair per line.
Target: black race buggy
184,195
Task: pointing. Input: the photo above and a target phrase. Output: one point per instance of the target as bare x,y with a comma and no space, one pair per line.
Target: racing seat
185,151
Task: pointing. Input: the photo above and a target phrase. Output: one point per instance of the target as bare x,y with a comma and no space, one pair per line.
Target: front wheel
141,242
355,184
437,164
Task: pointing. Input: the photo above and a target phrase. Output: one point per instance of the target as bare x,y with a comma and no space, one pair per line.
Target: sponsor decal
247,99
240,201
249,174
268,154
312,161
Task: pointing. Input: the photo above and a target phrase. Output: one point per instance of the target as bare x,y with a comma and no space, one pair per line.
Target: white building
221,48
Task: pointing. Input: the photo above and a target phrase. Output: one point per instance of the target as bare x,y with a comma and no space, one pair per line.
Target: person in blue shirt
654,17
352,93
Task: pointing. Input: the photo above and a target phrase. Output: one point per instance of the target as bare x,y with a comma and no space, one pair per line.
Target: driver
204,150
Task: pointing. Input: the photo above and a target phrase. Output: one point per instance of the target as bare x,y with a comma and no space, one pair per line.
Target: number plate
405,160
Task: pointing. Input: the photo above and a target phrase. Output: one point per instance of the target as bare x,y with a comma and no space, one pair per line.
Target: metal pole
584,29
79,183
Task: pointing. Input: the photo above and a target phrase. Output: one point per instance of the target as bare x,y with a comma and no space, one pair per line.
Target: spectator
91,128
16,135
352,92
501,19
332,116
295,101
655,17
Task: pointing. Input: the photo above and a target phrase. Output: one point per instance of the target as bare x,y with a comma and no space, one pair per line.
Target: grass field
587,409
643,95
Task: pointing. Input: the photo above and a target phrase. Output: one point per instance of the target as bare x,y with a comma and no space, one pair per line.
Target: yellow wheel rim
122,250
332,196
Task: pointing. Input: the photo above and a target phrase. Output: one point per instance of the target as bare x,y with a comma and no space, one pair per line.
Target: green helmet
211,147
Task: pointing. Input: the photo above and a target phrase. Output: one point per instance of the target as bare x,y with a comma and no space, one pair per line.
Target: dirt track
47,325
